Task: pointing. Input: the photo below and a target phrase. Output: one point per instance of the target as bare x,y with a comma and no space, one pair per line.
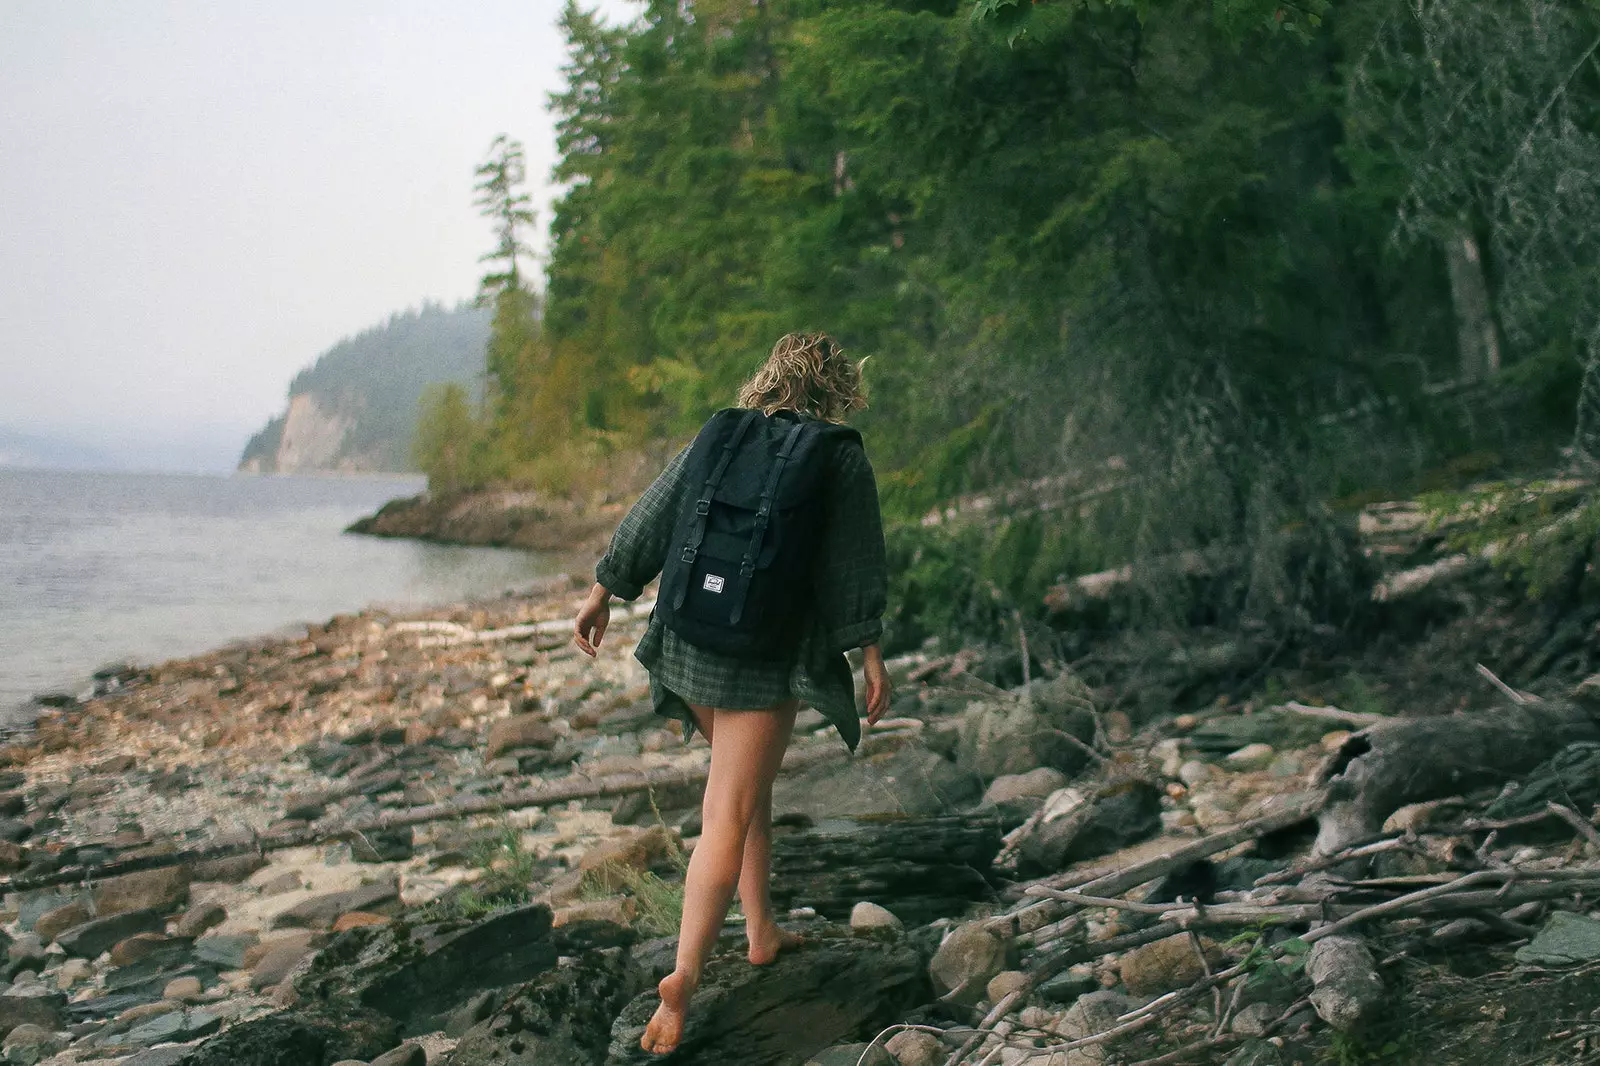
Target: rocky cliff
355,408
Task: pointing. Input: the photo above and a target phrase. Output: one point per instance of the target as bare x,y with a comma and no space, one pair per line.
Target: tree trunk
1477,340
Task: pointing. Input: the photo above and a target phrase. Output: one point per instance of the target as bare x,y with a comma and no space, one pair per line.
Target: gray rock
869,919
1565,940
913,1048
99,934
298,1037
225,952
909,782
319,912
471,1013
1035,784
1095,1013
199,918
1124,813
561,1018
1571,777
161,1056
1015,737
1066,987
35,1006
851,1055
404,1055
965,962
420,974
809,999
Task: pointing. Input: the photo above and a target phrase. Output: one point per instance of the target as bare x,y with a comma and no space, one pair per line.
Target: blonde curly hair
806,372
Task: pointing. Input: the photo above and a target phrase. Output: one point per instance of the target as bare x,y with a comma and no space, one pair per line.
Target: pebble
1004,983
1194,772
182,988
1251,757
870,919
914,1048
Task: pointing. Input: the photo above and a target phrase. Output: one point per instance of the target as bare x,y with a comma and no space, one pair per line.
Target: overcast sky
197,198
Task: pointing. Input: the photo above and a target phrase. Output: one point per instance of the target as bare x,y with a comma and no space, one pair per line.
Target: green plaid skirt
681,674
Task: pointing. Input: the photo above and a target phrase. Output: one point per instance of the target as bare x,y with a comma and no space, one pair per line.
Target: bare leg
745,758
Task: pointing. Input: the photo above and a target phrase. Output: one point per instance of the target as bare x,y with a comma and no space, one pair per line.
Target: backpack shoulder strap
702,505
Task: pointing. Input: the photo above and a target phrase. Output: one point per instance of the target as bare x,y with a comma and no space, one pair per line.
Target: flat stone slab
1567,939
319,912
99,934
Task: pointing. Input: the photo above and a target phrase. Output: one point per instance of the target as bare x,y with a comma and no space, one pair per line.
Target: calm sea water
100,568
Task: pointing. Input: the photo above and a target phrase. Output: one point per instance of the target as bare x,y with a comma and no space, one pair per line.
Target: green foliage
1543,534
448,438
1152,244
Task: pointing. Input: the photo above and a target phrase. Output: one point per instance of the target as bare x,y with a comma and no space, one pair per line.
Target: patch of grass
1357,694
659,902
507,872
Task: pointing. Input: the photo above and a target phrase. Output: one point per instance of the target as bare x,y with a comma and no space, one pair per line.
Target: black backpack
738,573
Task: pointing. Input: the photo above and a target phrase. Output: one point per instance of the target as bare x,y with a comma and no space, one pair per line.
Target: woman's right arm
639,547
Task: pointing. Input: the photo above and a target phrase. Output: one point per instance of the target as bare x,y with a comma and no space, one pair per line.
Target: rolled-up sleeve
639,547
852,581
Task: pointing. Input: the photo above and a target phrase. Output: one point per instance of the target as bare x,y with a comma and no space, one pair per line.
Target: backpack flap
738,577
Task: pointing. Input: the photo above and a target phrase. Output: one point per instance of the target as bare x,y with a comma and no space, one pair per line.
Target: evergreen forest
1168,281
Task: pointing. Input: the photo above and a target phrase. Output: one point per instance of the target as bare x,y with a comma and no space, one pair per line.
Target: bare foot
666,1026
767,940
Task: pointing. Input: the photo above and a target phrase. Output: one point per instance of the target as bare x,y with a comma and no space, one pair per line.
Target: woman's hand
595,615
879,689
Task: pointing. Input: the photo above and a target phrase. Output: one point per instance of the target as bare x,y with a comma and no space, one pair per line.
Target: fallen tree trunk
1389,765
571,788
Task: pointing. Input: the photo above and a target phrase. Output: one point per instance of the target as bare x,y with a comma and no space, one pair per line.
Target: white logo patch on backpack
714,583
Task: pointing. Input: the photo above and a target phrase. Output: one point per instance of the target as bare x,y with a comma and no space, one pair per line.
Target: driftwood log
919,868
1382,768
576,787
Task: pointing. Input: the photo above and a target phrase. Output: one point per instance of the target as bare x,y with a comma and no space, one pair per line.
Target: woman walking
745,700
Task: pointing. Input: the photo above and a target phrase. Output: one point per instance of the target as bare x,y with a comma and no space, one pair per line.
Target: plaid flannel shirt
850,584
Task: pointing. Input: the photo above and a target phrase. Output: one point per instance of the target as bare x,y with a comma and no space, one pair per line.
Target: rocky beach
446,837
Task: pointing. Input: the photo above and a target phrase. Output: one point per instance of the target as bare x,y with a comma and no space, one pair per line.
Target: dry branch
575,787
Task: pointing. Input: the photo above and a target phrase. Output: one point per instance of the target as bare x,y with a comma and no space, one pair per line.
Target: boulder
1016,736
909,782
154,890
1165,965
92,937
128,951
1079,825
561,1018
827,990
1004,983
966,961
226,952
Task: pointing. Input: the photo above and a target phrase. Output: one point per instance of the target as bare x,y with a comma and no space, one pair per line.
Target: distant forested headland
355,408
1182,281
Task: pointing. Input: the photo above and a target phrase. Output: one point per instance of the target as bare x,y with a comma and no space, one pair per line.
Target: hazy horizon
201,200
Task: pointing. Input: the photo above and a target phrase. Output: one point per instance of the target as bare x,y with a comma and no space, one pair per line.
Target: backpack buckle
702,508
689,554
746,568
